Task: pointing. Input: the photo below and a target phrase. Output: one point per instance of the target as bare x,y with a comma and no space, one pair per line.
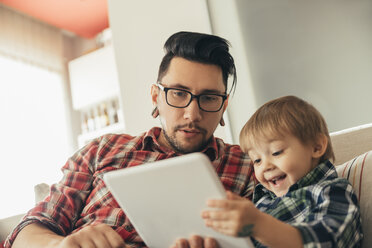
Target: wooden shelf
84,138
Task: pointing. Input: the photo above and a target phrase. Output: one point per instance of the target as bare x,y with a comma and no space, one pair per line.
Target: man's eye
177,93
277,153
209,98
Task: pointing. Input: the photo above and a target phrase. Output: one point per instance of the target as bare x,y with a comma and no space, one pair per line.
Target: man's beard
173,142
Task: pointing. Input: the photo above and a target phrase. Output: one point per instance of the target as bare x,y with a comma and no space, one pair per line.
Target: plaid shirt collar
323,171
150,142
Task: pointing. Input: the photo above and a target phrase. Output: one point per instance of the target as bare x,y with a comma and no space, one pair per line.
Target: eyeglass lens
181,99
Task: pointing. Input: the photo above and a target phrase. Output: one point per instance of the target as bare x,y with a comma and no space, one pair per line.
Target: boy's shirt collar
320,172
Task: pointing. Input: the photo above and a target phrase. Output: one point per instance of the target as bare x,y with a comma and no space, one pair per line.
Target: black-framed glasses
179,98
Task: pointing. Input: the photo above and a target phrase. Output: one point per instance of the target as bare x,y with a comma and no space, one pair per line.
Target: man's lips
190,130
190,133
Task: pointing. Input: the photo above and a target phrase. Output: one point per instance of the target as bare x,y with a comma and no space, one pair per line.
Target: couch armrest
351,142
7,225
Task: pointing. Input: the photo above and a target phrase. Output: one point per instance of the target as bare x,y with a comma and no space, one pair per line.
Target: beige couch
6,225
353,150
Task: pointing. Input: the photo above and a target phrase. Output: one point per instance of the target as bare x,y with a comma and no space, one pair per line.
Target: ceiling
85,18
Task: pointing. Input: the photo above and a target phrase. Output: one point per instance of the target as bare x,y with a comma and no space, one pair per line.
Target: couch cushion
351,142
359,173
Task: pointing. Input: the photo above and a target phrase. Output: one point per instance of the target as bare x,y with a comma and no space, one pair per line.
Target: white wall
73,47
320,50
225,23
140,29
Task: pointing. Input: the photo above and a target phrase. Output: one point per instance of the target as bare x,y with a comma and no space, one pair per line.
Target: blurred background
73,70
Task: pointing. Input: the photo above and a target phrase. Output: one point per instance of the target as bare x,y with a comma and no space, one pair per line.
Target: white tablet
164,199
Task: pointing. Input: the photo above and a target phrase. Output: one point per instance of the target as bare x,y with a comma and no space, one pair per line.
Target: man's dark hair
202,48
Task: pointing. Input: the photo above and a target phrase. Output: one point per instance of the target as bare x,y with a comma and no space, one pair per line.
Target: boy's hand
234,216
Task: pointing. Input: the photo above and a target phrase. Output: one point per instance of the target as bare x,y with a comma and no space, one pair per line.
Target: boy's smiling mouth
276,181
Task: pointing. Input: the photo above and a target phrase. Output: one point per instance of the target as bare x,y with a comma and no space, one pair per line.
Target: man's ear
226,103
154,94
320,146
222,121
154,98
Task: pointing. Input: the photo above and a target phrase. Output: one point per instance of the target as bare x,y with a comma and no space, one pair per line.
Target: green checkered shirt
322,206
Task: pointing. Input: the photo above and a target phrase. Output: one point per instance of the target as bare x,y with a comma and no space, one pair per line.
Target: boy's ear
320,146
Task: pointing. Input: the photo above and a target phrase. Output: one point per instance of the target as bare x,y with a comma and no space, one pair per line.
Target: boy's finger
215,215
232,196
221,226
223,204
217,203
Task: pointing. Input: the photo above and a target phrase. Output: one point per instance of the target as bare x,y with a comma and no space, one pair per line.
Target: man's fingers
210,243
97,236
182,243
196,242
112,237
100,240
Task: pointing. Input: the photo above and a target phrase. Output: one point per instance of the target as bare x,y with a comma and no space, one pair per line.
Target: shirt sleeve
60,210
248,193
335,221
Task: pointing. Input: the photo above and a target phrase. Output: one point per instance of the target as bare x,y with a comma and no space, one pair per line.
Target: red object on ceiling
85,18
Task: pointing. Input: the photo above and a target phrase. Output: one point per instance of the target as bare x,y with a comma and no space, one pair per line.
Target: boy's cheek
258,173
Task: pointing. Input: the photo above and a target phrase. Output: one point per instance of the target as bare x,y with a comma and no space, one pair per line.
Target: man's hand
195,242
98,236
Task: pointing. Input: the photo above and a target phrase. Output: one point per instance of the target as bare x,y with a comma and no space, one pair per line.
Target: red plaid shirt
81,197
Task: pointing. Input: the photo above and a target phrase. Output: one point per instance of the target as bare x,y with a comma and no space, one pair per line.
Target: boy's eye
277,153
257,161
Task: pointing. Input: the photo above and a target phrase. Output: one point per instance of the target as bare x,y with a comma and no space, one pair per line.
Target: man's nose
193,112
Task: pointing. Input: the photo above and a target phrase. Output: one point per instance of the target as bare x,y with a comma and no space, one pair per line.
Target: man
190,97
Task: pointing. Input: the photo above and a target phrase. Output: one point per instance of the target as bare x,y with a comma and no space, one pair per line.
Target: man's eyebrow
213,92
205,91
274,140
177,85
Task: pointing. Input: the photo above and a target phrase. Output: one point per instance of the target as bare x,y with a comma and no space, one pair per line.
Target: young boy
299,201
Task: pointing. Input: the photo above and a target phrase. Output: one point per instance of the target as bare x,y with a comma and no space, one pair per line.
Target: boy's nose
267,165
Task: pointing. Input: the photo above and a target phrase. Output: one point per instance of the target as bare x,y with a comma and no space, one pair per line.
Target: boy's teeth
276,179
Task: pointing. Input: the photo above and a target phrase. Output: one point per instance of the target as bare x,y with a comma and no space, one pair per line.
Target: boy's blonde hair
288,114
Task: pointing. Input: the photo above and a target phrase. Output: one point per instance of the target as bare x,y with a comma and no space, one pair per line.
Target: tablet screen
164,199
